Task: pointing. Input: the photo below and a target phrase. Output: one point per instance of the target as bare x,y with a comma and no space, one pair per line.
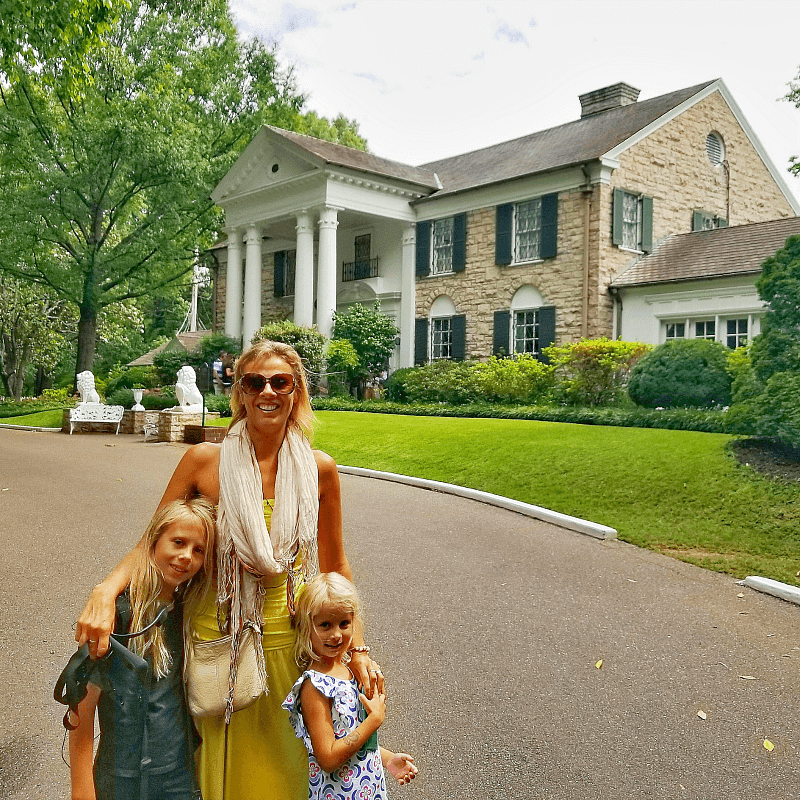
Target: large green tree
106,191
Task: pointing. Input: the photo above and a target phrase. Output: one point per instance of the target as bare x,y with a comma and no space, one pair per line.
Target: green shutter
547,330
721,222
459,242
549,243
501,334
280,265
420,341
458,331
647,224
423,248
616,227
502,238
698,221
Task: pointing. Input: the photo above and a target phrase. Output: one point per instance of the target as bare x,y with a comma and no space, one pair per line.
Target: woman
265,455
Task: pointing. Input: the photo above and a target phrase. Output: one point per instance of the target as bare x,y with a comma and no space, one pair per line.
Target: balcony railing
356,270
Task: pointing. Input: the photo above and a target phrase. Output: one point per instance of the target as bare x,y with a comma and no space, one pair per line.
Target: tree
33,324
106,196
341,130
372,335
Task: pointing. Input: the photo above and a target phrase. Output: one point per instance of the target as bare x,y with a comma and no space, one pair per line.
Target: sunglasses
255,383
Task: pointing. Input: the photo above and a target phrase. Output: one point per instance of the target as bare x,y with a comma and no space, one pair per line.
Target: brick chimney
616,96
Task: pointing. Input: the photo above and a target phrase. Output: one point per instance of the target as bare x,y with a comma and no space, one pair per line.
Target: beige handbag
208,667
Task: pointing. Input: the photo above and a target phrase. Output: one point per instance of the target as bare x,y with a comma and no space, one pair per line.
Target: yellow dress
258,757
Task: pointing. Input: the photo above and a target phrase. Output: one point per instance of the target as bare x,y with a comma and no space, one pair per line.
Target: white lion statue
85,383
190,401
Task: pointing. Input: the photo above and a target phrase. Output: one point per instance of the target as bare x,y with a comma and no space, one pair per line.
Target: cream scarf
246,550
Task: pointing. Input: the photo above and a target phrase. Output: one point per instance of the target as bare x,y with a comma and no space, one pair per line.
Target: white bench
95,412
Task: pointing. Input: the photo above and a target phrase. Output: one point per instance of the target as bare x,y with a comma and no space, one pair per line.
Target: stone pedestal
133,422
172,424
194,434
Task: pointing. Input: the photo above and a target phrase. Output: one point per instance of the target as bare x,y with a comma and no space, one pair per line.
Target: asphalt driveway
489,626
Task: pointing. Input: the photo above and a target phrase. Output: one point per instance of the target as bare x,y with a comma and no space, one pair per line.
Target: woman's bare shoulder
325,464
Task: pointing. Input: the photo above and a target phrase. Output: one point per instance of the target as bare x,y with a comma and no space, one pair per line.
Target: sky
434,78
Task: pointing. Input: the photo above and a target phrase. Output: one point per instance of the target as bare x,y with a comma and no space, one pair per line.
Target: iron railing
363,268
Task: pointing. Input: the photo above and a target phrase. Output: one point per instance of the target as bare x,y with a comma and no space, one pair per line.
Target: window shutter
280,267
420,341
423,248
547,330
647,224
458,330
549,243
459,242
721,222
698,220
501,335
502,237
616,228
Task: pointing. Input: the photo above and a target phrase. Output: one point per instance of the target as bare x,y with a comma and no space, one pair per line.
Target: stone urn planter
137,400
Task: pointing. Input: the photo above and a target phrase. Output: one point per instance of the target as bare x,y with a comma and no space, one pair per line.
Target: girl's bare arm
81,748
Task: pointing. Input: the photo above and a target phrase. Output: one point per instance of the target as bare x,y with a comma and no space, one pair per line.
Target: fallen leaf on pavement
741,594
768,745
701,714
599,664
747,677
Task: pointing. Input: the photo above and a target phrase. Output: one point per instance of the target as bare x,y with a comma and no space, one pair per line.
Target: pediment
266,162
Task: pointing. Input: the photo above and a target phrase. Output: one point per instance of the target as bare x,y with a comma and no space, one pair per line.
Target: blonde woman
279,522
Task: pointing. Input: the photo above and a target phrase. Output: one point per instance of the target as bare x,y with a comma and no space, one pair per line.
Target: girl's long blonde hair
147,581
324,588
302,415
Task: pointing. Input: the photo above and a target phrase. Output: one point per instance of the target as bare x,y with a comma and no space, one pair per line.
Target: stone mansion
514,246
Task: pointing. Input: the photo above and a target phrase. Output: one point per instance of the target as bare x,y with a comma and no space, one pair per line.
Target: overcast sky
426,79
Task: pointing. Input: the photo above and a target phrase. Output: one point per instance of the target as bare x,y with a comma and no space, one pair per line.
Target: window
528,228
442,246
676,330
715,148
285,263
441,339
363,266
705,329
527,231
632,226
705,221
737,333
526,331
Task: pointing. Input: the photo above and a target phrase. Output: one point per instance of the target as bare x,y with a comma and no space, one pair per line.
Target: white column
251,320
233,285
326,274
304,272
408,289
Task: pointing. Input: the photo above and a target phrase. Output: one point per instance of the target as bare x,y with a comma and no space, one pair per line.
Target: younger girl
337,724
147,740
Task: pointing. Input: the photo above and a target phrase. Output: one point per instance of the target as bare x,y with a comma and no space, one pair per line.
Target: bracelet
362,649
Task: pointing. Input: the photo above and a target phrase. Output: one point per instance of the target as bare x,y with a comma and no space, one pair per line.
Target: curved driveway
489,626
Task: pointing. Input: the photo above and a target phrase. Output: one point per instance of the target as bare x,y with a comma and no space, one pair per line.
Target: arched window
715,148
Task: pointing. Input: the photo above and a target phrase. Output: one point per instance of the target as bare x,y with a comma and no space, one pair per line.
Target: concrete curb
537,512
768,586
28,428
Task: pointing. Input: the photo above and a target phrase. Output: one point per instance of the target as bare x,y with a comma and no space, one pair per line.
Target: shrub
521,379
342,359
437,382
309,343
594,372
132,378
779,409
682,372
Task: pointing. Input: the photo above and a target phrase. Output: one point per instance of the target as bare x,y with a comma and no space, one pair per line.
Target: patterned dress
361,776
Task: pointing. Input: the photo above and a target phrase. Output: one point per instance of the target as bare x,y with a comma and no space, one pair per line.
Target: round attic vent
715,148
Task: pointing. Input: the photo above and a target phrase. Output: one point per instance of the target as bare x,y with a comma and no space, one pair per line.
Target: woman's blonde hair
147,580
324,588
302,415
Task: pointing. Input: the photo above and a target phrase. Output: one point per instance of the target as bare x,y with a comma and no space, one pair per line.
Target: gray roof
572,143
738,250
342,156
183,341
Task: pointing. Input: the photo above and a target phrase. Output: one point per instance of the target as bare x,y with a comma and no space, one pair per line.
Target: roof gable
741,249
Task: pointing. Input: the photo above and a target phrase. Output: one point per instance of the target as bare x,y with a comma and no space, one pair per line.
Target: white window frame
720,323
632,227
517,325
533,231
678,331
740,338
706,322
441,259
440,343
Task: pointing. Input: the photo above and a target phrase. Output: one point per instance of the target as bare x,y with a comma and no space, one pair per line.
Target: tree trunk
41,382
87,339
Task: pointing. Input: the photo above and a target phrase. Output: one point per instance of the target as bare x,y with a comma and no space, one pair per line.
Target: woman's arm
332,558
96,621
81,747
329,751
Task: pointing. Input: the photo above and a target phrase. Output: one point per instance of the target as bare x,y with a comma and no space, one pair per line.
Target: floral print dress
361,776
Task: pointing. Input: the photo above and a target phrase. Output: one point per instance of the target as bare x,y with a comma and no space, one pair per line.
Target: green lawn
41,419
678,492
